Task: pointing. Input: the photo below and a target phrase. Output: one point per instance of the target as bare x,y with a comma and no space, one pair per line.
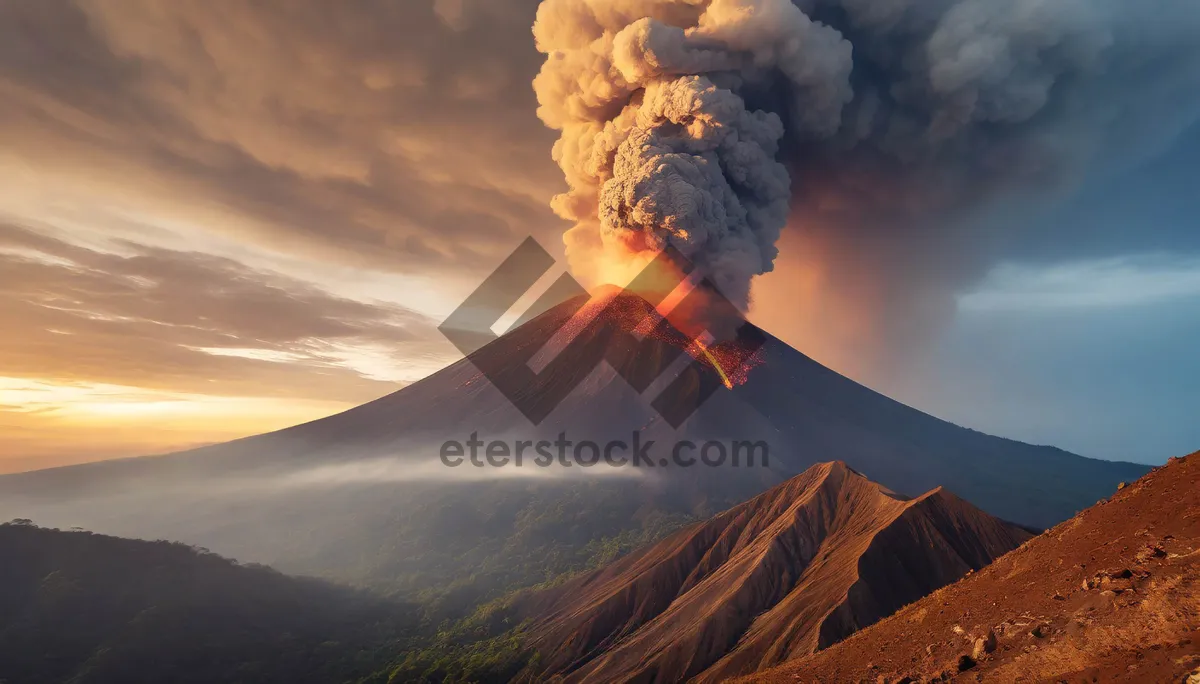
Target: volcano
364,497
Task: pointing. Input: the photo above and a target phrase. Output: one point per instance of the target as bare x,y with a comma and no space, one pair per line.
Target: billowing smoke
658,142
880,127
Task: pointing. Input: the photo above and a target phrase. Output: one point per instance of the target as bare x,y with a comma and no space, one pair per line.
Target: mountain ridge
778,575
1111,595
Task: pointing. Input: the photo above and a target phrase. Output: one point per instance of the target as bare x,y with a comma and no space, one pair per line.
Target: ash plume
879,126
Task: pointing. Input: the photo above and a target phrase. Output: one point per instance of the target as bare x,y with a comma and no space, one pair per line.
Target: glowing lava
712,361
731,359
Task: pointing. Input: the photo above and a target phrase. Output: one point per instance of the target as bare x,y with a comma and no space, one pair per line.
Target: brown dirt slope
782,575
1112,595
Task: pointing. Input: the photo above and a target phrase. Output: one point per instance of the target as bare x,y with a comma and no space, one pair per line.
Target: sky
223,218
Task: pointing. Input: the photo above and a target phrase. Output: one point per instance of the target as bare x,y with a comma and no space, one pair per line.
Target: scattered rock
984,645
1040,631
966,662
1193,678
1122,485
979,652
1059,597
1155,551
1107,577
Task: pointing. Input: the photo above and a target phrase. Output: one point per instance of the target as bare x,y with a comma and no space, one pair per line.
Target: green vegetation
86,608
452,552
435,604
94,609
471,651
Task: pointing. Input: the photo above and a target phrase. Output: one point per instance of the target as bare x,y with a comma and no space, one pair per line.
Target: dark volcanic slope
789,572
1112,595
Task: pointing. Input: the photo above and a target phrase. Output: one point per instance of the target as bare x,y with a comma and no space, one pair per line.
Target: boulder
984,645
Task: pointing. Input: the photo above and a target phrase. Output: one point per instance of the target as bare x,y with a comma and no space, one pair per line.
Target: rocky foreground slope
789,572
1112,595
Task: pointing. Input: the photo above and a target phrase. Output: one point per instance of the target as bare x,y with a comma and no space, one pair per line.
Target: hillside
90,609
791,571
1112,595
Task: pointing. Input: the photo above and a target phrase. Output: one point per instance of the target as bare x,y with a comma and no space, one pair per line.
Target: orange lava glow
732,359
637,272
716,364
612,268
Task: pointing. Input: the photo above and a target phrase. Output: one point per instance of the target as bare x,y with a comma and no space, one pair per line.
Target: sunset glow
240,222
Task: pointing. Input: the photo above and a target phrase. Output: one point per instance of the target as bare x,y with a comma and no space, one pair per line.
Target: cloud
254,203
920,137
191,322
49,423
374,134
402,137
1095,284
397,470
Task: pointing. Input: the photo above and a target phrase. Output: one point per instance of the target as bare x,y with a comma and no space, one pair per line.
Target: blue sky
1088,337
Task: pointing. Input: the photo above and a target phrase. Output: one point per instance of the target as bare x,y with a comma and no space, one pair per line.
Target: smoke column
880,127
658,143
